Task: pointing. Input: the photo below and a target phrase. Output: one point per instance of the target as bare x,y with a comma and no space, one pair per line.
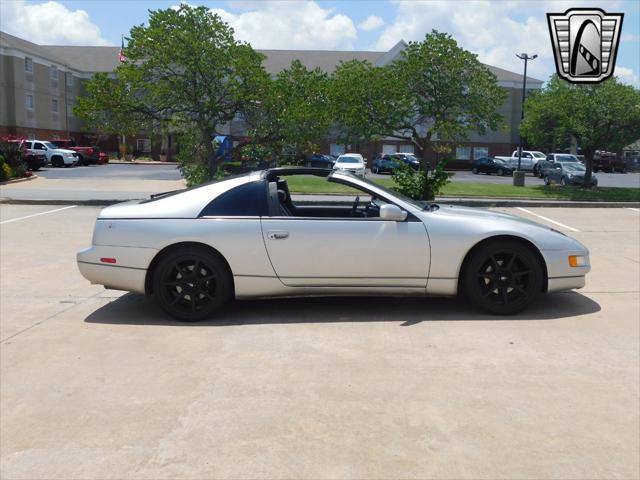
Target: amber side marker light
113,260
577,260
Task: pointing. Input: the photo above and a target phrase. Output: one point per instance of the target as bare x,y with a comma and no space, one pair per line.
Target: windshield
578,167
539,155
49,145
566,158
416,203
499,162
348,160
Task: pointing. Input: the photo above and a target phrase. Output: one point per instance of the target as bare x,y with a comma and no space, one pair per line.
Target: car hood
482,223
63,150
348,165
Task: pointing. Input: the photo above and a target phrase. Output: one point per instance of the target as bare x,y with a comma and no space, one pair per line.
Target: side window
38,146
248,200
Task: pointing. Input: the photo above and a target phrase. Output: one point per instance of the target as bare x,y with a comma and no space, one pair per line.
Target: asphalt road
170,172
101,384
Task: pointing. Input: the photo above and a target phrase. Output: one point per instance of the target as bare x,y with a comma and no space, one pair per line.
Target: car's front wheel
500,172
502,277
563,182
191,284
547,180
474,170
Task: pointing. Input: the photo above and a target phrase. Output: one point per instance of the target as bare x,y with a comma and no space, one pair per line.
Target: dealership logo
585,43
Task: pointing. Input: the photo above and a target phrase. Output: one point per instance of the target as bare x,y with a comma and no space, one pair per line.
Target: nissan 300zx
244,237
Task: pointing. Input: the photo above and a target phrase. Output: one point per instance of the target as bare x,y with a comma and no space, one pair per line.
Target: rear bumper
128,273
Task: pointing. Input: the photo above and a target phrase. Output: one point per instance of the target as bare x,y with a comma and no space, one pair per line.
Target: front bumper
562,276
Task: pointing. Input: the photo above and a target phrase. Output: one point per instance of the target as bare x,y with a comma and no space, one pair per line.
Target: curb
464,202
18,180
124,162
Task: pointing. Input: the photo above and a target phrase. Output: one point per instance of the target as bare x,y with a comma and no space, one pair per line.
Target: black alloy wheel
191,284
503,278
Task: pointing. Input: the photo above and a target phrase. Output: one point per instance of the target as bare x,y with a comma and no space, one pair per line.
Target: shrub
12,165
420,185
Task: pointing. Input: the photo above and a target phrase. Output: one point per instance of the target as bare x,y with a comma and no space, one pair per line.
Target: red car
608,162
86,155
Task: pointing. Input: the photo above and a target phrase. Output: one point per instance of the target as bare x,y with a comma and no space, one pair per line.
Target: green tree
435,90
185,70
293,110
603,116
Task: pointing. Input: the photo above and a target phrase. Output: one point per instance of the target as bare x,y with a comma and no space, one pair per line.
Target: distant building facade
39,85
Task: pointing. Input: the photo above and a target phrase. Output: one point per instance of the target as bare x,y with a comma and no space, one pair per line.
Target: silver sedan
196,249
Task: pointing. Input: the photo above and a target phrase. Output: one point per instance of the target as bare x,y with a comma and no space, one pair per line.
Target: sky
494,30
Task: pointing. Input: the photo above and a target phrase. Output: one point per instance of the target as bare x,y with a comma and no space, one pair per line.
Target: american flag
121,55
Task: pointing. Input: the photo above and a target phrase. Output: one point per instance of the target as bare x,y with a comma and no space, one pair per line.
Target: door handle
277,235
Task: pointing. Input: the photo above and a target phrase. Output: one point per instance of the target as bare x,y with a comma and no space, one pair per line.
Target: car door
349,252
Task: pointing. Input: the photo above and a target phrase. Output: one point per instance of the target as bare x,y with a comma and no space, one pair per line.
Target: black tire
189,296
547,180
500,172
502,277
57,161
563,182
375,170
474,170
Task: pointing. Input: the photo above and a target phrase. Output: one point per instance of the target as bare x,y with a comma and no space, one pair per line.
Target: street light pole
526,58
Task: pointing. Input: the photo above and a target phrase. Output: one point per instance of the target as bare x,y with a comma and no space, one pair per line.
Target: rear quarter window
248,200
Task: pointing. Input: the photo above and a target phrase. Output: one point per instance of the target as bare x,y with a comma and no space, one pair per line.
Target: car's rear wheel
375,170
191,284
502,277
563,181
500,172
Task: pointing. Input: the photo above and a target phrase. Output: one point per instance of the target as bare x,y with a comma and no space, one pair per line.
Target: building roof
105,59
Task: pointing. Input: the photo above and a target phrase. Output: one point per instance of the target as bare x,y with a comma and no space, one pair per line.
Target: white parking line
548,219
634,209
37,214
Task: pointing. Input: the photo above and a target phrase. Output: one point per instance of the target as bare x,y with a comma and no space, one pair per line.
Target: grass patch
319,185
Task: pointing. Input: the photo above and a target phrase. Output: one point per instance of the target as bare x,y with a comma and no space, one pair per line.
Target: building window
69,79
143,145
406,149
28,98
463,153
54,105
28,64
54,72
480,152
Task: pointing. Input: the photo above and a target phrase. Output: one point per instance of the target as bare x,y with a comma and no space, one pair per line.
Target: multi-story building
39,85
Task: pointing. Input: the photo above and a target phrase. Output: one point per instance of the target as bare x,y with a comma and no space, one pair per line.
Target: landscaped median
317,185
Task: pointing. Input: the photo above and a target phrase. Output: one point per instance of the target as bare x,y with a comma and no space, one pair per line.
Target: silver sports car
243,237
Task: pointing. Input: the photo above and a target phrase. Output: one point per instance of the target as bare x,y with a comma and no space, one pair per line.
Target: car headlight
570,175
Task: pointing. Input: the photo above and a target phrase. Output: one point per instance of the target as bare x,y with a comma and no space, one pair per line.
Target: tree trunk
209,154
588,159
424,147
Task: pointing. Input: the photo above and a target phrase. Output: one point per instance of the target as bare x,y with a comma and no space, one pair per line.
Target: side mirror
392,213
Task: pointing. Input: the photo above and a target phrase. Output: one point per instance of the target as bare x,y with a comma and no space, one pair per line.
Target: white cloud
49,23
495,31
291,25
372,22
627,75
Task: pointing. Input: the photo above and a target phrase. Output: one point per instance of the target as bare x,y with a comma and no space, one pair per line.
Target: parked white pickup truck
529,161
57,157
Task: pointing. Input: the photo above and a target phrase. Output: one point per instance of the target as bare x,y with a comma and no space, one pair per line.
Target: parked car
388,162
34,159
568,173
528,162
554,159
320,160
194,250
491,165
86,155
352,163
57,157
608,162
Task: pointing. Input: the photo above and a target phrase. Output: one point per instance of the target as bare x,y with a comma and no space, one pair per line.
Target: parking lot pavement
100,384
